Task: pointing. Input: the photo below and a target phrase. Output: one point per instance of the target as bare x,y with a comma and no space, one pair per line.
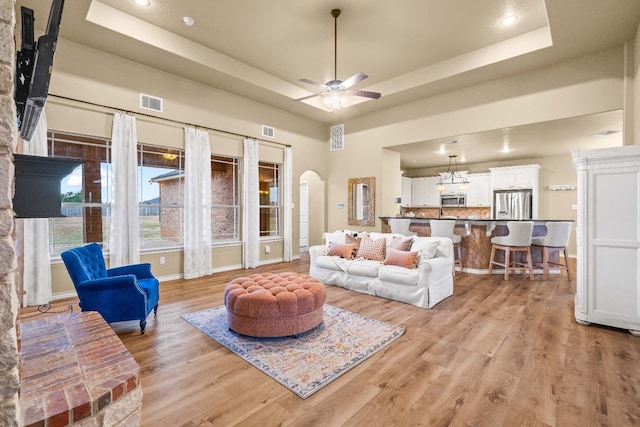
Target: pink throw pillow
401,243
341,249
401,258
372,249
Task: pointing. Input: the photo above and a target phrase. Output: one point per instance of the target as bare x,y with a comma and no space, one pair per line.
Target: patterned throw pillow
372,249
401,243
402,258
341,249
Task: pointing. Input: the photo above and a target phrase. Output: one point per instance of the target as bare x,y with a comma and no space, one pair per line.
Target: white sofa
424,286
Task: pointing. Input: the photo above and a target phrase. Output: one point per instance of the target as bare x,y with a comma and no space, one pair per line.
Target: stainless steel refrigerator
512,204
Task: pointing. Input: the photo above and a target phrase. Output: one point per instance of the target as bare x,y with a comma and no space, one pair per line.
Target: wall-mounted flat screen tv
34,62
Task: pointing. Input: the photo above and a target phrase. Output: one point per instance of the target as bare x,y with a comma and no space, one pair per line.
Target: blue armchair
118,294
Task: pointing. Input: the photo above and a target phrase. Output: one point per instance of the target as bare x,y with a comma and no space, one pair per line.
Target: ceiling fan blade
315,83
365,93
358,77
309,96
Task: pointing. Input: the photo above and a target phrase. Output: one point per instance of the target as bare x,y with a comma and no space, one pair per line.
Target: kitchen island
476,238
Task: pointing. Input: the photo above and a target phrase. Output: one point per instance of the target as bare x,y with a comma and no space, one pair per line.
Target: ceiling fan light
336,101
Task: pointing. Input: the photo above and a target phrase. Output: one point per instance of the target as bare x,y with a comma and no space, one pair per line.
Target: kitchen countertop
485,220
489,223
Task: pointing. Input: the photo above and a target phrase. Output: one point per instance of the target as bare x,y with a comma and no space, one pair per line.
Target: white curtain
251,207
124,243
287,203
197,204
37,268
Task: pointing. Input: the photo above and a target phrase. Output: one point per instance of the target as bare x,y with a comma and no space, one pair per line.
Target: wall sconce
169,156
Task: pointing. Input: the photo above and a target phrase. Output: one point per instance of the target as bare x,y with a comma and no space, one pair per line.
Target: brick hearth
76,371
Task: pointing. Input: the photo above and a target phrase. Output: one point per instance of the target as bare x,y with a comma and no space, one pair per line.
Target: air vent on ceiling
268,131
149,102
337,138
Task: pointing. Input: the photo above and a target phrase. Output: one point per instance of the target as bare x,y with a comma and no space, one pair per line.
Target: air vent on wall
268,131
337,138
149,102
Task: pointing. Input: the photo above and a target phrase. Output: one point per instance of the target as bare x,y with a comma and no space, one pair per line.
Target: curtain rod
165,119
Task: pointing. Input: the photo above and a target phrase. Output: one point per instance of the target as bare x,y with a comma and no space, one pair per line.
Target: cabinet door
433,195
522,178
479,193
501,179
406,191
419,192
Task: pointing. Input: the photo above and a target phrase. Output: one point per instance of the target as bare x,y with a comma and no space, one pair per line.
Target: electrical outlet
162,260
267,249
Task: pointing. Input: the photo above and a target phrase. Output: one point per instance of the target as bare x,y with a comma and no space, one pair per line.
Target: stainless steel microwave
453,200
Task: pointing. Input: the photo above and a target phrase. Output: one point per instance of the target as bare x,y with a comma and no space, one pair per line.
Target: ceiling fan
335,88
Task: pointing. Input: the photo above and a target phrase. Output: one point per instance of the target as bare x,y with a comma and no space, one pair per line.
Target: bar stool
444,228
401,226
518,240
556,240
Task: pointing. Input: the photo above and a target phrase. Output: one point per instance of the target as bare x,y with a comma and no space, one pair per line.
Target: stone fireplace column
9,377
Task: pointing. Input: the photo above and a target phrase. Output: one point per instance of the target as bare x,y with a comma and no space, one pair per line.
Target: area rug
307,362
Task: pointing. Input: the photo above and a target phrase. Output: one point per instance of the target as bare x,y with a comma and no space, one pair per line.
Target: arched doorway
312,209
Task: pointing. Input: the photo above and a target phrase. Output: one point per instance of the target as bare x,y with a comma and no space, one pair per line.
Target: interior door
304,216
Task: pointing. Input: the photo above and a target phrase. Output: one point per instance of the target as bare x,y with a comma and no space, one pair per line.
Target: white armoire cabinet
608,237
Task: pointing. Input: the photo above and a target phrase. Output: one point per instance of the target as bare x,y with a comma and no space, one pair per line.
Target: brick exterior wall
222,192
171,219
9,377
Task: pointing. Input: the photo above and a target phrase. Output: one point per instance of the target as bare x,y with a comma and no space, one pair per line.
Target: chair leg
507,263
155,310
545,263
566,263
530,262
143,324
493,252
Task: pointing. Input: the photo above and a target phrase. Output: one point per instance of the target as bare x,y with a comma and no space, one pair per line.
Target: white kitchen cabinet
419,192
608,237
424,191
479,192
406,191
514,177
433,195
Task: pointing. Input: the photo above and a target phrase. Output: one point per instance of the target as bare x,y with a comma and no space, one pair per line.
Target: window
161,196
270,198
84,192
86,196
225,195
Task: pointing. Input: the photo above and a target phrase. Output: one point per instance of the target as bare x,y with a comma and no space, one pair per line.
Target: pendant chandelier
452,176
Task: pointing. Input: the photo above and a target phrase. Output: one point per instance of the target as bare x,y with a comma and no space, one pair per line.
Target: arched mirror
362,201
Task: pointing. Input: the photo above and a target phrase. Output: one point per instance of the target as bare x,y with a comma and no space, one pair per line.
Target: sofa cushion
427,246
341,250
401,258
335,237
394,274
372,249
367,268
401,243
332,263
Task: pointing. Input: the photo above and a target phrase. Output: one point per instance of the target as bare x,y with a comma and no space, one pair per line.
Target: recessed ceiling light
509,20
188,21
142,2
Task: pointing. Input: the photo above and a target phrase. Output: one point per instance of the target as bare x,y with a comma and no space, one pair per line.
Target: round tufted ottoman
274,305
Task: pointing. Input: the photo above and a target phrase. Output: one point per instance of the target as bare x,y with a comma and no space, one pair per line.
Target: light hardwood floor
496,353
